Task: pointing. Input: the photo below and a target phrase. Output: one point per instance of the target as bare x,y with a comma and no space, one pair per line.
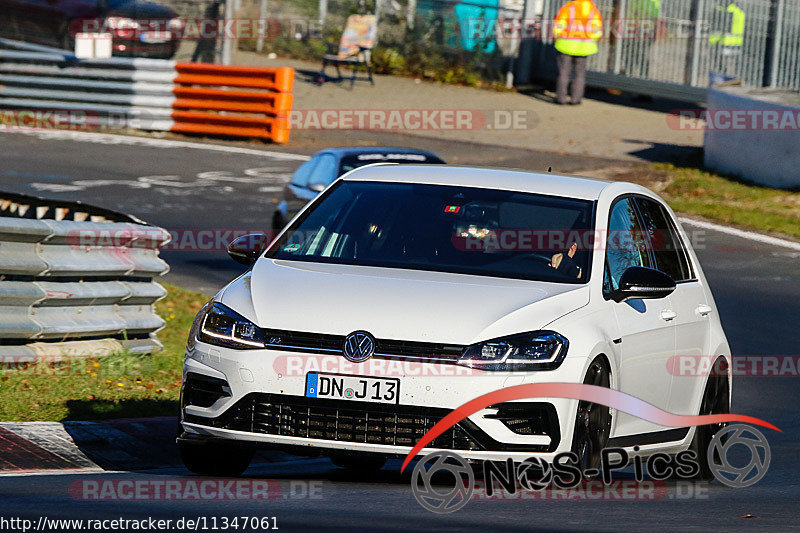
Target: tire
218,460
65,40
358,463
716,401
592,421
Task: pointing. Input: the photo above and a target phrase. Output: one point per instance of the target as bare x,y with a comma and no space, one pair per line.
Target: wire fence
681,41
658,43
786,68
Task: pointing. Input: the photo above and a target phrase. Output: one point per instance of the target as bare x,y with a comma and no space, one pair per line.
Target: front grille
336,420
321,342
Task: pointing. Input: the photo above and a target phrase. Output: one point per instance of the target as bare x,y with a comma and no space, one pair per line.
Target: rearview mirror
246,249
643,283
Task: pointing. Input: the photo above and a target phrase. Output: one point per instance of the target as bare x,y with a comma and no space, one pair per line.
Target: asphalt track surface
756,286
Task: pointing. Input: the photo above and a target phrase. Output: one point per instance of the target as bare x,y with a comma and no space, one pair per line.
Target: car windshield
353,161
444,228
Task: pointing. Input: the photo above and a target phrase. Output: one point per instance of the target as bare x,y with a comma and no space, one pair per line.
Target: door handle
703,310
668,314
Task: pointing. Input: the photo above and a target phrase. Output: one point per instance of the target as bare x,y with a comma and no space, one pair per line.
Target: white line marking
749,235
107,138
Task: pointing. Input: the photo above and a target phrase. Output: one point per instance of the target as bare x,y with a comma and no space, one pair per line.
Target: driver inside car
565,262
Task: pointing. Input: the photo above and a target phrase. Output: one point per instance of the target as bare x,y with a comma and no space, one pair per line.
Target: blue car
326,165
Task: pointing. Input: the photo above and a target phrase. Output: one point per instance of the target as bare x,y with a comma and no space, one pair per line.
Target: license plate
154,37
356,388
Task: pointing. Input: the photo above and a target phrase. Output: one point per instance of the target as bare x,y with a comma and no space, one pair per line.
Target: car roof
489,178
374,150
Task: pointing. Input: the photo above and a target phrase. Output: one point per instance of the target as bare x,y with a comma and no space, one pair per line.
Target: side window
668,250
325,171
301,175
626,244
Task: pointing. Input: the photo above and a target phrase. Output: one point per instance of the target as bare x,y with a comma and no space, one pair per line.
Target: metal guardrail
76,280
147,94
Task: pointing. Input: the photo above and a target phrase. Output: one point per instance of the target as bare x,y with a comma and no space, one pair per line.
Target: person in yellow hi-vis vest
577,28
730,40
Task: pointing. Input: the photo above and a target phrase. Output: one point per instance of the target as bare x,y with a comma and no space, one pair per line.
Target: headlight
538,350
121,23
222,326
175,24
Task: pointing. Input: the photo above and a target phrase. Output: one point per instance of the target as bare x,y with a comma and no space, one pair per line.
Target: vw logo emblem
358,346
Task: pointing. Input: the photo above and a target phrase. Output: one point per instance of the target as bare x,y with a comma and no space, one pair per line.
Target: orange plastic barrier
274,79
275,129
210,100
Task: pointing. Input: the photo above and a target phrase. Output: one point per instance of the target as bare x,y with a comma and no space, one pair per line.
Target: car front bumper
263,403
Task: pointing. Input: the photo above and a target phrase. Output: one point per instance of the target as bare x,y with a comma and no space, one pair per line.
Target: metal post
697,39
777,43
323,12
227,41
411,13
525,53
548,17
621,8
262,26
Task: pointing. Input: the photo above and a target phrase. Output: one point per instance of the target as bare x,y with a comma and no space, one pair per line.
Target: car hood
397,304
138,9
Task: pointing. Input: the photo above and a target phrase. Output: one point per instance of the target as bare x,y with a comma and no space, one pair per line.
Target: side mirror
317,187
248,248
644,283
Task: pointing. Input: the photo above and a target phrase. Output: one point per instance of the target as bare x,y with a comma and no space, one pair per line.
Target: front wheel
215,459
66,41
592,421
716,401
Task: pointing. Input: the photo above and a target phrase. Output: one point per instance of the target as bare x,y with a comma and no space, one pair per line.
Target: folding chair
355,46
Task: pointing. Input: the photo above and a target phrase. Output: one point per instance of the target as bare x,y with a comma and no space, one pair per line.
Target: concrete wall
750,145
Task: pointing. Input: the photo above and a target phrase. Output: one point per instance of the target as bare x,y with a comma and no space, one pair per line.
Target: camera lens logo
721,465
442,499
535,474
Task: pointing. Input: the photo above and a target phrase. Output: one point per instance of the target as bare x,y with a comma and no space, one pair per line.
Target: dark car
138,28
326,165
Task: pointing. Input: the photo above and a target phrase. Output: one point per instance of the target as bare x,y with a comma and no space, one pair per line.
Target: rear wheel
66,41
593,421
215,459
716,401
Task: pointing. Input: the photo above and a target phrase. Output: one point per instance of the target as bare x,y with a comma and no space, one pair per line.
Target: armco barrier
76,280
740,142
147,94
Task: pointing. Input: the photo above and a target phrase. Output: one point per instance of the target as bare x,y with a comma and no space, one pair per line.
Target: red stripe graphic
575,391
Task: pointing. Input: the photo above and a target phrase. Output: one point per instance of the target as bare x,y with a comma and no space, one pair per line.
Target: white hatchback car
403,292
